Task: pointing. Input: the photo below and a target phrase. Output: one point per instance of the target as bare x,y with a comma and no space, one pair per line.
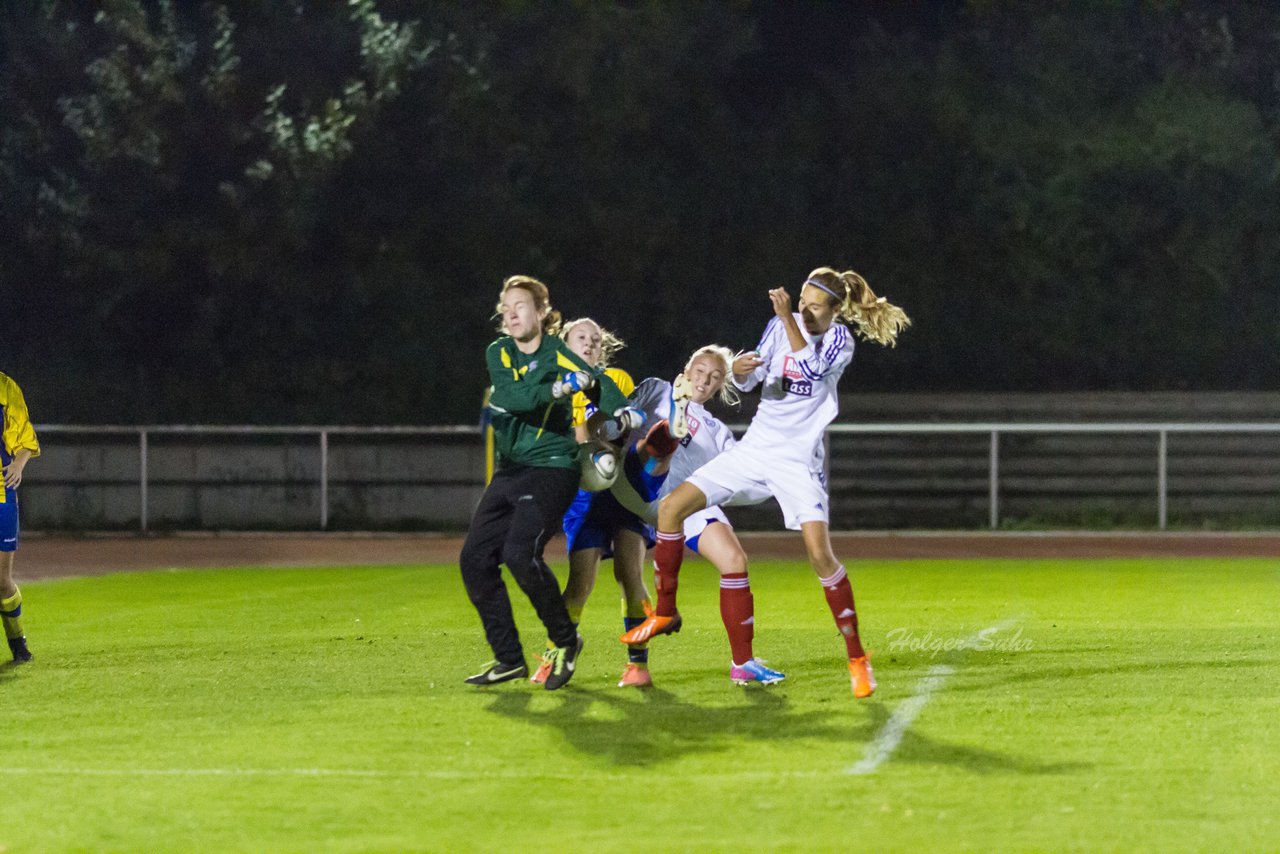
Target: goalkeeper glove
572,382
629,419
623,422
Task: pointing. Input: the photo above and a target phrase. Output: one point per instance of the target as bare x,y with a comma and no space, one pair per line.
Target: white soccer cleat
681,394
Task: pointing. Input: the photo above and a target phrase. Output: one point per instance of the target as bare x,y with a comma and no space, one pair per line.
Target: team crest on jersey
791,369
693,431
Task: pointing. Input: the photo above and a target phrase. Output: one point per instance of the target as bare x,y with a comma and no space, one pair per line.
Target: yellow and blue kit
584,409
594,518
18,434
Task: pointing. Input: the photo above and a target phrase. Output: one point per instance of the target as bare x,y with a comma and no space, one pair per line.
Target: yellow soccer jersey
18,432
620,378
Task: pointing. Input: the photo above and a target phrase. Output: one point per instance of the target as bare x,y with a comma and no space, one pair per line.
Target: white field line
890,735
375,774
206,772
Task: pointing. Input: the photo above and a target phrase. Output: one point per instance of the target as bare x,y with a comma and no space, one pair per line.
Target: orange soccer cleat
864,681
540,675
636,676
653,625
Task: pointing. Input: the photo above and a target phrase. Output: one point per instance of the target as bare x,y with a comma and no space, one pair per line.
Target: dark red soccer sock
737,609
840,600
667,557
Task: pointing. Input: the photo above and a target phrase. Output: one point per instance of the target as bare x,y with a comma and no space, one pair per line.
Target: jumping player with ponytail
797,364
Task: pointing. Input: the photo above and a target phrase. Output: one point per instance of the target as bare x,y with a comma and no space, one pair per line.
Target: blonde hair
874,317
610,344
541,302
727,394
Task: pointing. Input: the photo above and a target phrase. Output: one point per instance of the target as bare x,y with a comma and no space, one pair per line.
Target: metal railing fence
322,434
995,430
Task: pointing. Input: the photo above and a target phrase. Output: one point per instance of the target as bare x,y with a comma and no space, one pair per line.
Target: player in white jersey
798,363
706,532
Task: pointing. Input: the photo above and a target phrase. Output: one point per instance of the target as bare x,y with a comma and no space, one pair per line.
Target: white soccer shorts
745,475
698,522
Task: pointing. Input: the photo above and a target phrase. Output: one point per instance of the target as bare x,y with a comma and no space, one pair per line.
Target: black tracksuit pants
519,512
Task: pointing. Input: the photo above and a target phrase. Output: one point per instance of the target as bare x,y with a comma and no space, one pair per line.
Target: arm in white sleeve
765,350
833,354
652,397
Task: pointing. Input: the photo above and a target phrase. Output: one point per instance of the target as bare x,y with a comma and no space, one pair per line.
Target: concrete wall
82,482
90,482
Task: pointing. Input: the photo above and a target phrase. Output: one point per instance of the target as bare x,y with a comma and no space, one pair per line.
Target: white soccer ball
599,466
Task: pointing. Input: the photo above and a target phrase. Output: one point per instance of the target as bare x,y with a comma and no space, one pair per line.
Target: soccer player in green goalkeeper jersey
18,446
534,376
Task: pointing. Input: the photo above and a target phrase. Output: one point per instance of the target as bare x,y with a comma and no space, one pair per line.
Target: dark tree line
301,212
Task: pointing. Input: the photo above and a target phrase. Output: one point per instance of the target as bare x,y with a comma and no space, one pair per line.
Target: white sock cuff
834,579
735,583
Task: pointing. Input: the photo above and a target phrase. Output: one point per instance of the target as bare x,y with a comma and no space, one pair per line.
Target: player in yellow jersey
596,526
19,445
534,376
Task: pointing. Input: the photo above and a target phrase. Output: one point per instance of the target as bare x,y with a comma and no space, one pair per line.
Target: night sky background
287,212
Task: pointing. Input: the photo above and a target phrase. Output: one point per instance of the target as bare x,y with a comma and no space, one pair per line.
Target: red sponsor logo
790,369
693,426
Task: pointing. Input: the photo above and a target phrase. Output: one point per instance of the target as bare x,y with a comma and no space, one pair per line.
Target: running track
60,556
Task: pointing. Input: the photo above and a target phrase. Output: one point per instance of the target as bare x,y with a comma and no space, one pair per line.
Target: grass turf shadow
654,727
919,749
9,669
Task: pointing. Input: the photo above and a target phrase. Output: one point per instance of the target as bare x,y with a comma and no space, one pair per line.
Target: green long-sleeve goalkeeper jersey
530,427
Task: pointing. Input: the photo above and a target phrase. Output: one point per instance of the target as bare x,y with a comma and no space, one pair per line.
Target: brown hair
874,318
610,344
541,302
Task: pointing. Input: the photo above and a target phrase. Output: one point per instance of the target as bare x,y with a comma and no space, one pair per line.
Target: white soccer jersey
798,399
708,435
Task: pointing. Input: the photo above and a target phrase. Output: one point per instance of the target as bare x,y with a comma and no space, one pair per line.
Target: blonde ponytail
874,318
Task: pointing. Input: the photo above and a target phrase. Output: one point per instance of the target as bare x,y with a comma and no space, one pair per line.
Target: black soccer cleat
495,673
18,646
564,660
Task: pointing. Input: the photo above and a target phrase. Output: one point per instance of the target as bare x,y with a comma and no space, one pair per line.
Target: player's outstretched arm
746,368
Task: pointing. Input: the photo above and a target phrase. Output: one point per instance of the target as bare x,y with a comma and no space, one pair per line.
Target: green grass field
1134,706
